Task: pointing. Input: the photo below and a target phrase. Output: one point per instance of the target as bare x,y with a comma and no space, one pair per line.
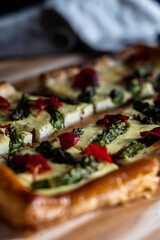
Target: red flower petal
4,104
111,119
154,131
5,126
68,140
43,103
34,163
55,102
31,161
158,97
86,77
98,152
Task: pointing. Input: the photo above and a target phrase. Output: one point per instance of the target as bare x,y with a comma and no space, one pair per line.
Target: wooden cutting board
137,220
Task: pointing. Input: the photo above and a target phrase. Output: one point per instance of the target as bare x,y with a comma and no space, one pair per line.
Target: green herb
45,148
158,82
1,116
83,170
134,87
131,150
143,70
15,140
151,111
78,131
22,110
117,96
157,104
156,117
112,132
145,120
87,95
56,117
57,155
143,107
60,155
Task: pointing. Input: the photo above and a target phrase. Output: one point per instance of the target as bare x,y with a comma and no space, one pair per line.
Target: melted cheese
116,73
26,137
90,132
130,112
64,90
149,151
147,90
102,100
74,113
41,124
13,99
132,132
43,128
4,143
110,80
103,170
57,169
4,140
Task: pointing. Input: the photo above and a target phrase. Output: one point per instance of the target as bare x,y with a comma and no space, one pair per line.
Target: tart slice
47,185
105,88
38,115
124,138
11,139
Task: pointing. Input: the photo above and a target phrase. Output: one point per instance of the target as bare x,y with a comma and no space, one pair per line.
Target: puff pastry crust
22,208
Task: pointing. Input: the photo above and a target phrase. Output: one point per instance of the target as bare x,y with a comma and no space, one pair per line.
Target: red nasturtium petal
41,103
4,104
55,102
111,119
86,77
68,139
98,152
154,131
158,96
34,163
5,126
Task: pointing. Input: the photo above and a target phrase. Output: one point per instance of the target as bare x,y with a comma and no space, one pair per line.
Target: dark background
13,5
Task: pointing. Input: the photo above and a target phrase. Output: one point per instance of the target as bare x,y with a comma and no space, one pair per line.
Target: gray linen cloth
59,25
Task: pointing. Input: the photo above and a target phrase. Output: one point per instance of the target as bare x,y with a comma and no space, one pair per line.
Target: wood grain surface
137,220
